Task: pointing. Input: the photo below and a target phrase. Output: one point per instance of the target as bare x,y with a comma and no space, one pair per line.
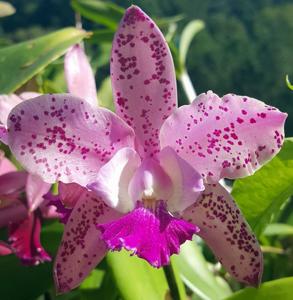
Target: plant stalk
171,279
187,86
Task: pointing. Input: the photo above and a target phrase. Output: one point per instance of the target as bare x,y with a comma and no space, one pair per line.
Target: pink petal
24,238
143,78
150,182
229,137
6,165
3,134
79,75
5,249
7,102
12,212
69,193
113,179
227,233
49,211
35,189
187,183
29,95
152,234
12,183
62,138
81,247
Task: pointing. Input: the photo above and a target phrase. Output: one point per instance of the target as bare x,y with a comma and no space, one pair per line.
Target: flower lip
149,231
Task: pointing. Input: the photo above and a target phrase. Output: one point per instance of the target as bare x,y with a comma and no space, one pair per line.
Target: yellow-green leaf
280,289
261,195
20,62
136,279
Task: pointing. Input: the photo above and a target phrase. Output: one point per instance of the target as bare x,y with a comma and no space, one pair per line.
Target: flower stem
187,86
171,279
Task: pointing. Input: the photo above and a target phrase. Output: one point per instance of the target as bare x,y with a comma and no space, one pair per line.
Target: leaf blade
261,195
20,62
273,290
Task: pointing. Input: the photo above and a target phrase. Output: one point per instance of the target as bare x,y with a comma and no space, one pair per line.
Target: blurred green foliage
245,48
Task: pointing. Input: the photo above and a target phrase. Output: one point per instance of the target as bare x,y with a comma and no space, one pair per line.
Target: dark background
246,47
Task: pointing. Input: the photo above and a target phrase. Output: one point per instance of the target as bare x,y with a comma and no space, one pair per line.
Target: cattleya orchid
146,178
22,215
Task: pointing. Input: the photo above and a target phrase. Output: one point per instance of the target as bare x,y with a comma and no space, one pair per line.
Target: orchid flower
21,216
146,178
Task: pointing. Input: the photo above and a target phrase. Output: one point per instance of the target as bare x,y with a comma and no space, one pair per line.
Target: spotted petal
68,195
143,78
227,233
81,248
229,137
8,102
61,137
79,75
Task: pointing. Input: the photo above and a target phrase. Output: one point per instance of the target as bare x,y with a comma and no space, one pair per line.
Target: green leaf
175,54
104,13
20,62
135,278
105,94
278,229
102,36
165,22
23,282
196,275
188,34
261,195
280,289
6,9
289,84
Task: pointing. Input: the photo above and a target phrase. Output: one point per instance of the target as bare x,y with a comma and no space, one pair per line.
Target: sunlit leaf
196,274
289,84
20,62
105,94
261,195
188,34
102,36
6,9
136,279
278,229
280,289
101,12
163,22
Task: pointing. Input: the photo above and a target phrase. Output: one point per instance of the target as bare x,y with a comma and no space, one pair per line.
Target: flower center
149,184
